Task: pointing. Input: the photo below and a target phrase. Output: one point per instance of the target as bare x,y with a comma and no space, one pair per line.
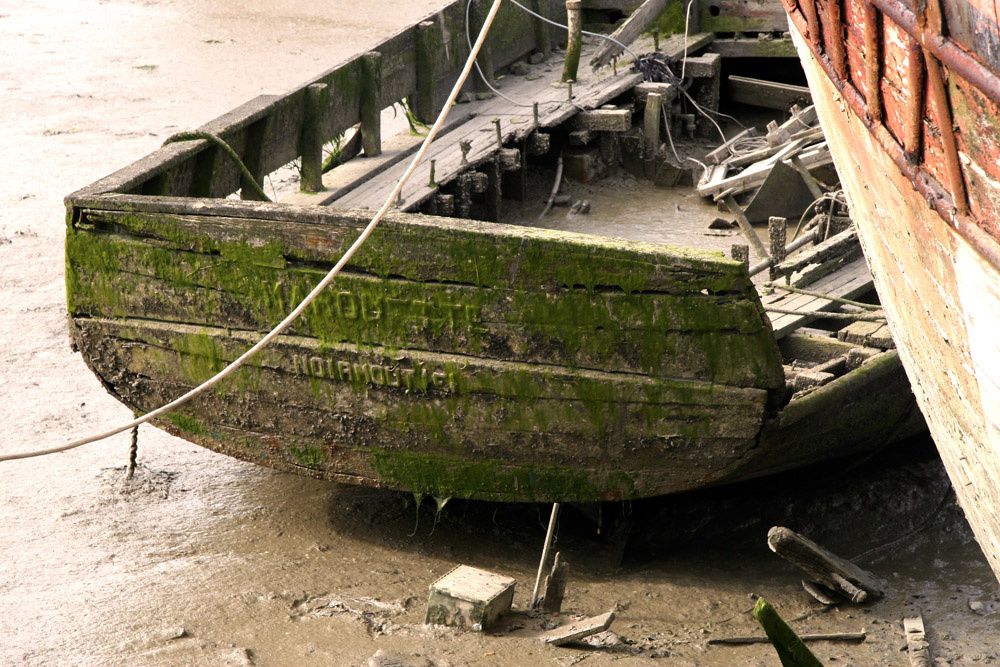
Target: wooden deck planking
852,280
516,123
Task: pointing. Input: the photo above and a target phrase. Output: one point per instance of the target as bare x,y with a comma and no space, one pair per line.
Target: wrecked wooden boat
909,95
457,355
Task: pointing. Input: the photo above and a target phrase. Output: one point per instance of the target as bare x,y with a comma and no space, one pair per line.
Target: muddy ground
207,560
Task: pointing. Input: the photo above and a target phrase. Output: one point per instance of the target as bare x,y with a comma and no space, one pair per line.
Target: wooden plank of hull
448,425
941,299
518,295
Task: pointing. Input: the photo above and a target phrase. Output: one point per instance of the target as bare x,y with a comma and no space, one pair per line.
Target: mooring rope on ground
317,290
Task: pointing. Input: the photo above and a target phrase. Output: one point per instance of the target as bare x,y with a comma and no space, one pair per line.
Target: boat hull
942,300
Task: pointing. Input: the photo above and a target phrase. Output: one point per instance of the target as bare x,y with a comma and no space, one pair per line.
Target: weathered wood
578,630
652,121
469,598
766,94
543,40
917,648
819,637
740,253
253,158
554,588
834,572
216,280
849,280
428,43
539,143
628,32
574,39
741,219
752,177
371,103
840,245
484,76
790,649
724,150
604,120
332,408
666,91
777,232
311,138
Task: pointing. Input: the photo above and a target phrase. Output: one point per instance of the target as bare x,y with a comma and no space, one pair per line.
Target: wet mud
202,559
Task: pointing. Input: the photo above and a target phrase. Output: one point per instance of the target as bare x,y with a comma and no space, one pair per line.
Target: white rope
327,279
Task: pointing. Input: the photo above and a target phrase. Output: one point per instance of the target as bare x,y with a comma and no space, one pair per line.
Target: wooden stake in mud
485,59
545,552
777,231
574,21
311,138
371,103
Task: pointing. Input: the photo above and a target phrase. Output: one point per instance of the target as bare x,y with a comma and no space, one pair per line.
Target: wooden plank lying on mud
429,422
496,291
766,94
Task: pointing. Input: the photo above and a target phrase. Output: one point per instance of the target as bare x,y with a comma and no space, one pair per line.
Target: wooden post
494,191
463,203
371,103
542,41
574,39
745,226
253,157
485,58
777,231
425,106
311,138
741,253
651,131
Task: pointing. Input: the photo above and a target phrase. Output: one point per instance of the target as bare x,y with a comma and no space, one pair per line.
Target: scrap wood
832,571
790,648
916,641
820,637
628,32
578,630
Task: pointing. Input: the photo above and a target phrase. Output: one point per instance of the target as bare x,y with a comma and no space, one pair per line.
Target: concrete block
468,597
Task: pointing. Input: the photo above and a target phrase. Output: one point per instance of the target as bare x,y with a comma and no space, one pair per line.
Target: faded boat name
417,377
352,306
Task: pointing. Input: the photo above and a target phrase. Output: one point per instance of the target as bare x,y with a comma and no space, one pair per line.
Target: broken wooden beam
554,588
628,32
578,630
844,244
765,94
723,151
832,571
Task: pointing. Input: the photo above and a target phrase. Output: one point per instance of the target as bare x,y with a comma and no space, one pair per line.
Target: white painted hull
942,300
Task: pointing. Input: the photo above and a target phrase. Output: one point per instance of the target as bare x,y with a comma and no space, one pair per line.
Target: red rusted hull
913,122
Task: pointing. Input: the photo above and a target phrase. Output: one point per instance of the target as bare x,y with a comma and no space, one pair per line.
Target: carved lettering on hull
414,377
368,308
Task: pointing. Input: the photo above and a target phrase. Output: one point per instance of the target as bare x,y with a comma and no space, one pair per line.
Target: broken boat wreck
459,354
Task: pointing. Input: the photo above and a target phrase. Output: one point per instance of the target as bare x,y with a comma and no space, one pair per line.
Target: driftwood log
832,571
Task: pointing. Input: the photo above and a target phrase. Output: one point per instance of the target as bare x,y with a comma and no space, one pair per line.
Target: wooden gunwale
937,196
